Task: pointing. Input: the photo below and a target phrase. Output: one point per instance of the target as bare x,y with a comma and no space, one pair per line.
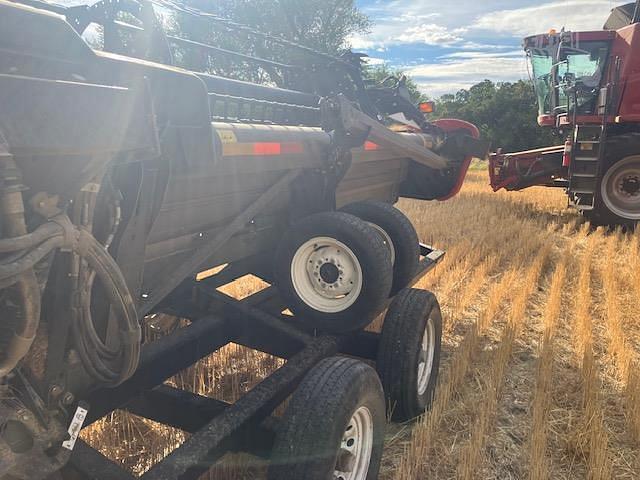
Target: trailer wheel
334,271
409,352
334,425
398,233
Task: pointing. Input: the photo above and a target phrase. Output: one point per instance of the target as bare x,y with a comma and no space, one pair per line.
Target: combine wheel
620,193
398,233
334,271
334,425
409,352
618,199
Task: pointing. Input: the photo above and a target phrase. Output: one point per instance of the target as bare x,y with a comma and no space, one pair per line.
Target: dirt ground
539,375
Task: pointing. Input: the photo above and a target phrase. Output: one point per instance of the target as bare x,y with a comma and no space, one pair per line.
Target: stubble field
540,372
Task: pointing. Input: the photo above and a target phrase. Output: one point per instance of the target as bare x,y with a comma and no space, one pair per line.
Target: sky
446,45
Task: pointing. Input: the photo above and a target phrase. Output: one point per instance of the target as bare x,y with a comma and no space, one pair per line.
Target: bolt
68,398
55,390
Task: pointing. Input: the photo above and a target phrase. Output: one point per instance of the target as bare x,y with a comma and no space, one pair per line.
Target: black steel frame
217,427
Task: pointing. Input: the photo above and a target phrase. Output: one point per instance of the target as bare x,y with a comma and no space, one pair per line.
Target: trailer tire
335,422
397,232
334,272
411,336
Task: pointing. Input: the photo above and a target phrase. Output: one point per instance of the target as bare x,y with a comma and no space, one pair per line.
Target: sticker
227,136
74,428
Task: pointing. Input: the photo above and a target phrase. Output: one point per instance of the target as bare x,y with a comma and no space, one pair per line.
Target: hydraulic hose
30,258
30,240
109,365
25,287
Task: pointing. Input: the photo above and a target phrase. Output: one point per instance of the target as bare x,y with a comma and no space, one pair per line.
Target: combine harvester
131,187
587,89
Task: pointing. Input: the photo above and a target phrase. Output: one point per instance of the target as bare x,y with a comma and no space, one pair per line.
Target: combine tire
618,198
334,271
409,353
334,425
397,232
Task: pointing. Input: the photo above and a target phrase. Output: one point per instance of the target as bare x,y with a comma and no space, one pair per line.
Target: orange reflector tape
266,148
261,149
371,146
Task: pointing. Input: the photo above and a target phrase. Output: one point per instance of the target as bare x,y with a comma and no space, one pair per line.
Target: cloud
572,14
470,45
375,61
429,34
426,34
469,40
393,30
487,55
462,22
436,79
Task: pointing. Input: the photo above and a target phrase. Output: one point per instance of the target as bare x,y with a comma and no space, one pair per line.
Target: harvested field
539,375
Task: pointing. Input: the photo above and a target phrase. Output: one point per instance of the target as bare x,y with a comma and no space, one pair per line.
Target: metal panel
69,118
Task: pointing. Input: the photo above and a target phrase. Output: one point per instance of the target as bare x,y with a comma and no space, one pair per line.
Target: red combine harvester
586,84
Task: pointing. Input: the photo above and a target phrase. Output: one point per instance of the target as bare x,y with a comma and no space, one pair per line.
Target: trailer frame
217,427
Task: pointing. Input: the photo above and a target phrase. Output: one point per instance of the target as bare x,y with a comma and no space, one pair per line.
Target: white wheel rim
356,447
326,275
621,188
387,241
425,358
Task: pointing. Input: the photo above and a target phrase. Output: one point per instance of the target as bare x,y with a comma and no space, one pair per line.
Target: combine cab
132,187
586,86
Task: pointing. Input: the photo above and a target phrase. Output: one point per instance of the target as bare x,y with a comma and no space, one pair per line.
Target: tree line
505,113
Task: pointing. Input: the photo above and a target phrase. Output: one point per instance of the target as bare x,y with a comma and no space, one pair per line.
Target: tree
378,73
322,25
505,113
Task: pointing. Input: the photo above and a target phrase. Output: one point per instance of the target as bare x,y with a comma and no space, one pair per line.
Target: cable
108,365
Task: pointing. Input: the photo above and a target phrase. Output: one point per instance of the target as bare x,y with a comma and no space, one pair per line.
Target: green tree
378,73
505,113
322,25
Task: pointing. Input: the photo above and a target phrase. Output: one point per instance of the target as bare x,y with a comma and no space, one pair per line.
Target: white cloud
572,14
407,29
454,74
430,34
476,54
470,45
478,39
360,42
375,61
462,22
